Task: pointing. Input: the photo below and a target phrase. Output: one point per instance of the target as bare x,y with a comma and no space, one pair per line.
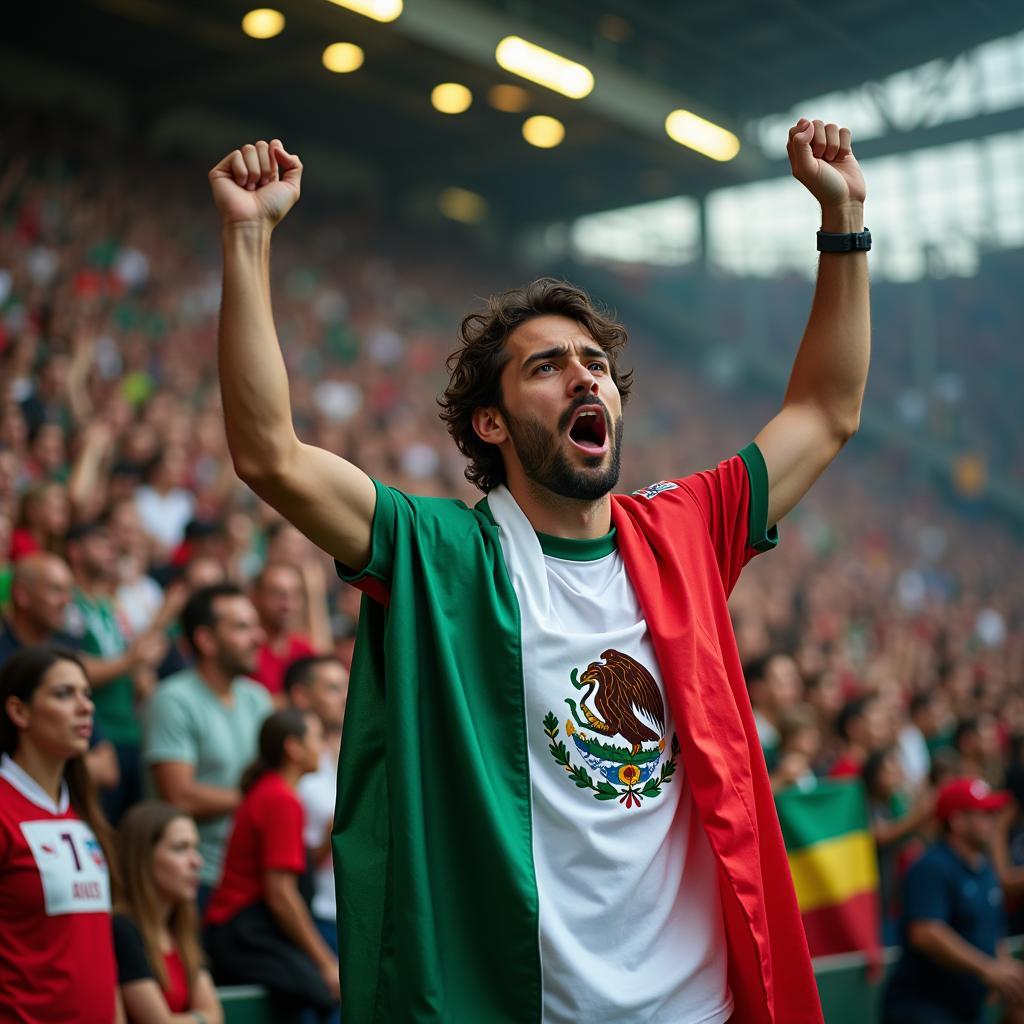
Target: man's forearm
938,941
831,367
253,377
204,802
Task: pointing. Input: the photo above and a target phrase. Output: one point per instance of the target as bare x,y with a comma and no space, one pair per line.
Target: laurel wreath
604,790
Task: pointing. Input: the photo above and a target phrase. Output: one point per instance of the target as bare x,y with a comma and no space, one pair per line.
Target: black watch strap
834,241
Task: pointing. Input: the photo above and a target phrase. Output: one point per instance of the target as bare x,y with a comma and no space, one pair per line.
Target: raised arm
331,501
821,410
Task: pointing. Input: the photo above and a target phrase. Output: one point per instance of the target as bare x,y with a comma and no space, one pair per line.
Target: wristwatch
835,241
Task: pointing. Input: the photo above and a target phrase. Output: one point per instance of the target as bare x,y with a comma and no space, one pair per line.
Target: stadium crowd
884,639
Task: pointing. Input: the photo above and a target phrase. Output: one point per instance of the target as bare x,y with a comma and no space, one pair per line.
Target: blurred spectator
923,722
976,740
156,929
41,588
202,724
259,929
895,822
774,684
953,924
56,952
165,504
320,684
799,749
863,729
43,522
120,673
283,609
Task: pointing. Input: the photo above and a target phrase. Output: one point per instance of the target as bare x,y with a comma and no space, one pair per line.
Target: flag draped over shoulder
834,864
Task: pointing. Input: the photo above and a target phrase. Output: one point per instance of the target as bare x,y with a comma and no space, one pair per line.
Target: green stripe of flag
831,809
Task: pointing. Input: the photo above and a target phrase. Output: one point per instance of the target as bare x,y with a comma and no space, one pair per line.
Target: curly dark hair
477,365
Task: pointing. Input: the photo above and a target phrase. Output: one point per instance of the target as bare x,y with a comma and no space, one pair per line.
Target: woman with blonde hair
156,930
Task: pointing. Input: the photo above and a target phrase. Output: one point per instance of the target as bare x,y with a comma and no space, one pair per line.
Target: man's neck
558,516
967,853
26,632
331,744
93,587
215,677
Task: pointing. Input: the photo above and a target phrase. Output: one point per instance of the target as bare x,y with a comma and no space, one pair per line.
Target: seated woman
259,929
56,951
156,929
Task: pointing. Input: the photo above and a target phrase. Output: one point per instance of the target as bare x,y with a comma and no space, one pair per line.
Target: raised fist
823,162
256,184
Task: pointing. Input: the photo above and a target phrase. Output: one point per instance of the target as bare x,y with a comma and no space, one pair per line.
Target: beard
545,463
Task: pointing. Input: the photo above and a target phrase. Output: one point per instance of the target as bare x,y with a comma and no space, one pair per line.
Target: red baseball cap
969,795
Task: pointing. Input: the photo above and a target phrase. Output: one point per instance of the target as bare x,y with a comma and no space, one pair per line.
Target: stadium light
451,98
543,132
378,10
462,205
705,137
544,67
263,23
343,58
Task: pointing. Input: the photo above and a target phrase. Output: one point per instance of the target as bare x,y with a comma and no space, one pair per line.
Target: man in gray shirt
202,724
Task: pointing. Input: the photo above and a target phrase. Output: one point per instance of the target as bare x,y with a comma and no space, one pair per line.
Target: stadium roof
186,74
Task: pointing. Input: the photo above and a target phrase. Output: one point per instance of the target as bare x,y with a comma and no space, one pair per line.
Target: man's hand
1006,977
824,164
256,185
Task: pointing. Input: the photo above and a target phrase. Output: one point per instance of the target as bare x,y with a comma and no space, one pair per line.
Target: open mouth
589,430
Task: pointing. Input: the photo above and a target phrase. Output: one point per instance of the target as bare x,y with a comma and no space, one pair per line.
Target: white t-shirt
165,516
317,791
631,927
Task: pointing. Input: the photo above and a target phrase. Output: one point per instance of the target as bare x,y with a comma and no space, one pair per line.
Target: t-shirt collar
30,789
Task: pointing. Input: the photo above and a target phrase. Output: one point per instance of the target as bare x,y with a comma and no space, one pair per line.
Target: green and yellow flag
834,864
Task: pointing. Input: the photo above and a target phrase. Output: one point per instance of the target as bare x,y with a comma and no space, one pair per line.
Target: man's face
559,422
328,693
280,598
783,683
43,595
975,828
236,635
97,555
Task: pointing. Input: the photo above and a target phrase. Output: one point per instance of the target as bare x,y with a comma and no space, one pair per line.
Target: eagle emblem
627,704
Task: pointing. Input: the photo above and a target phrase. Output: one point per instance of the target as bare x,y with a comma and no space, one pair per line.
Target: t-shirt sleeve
375,579
132,962
167,731
733,500
926,892
280,832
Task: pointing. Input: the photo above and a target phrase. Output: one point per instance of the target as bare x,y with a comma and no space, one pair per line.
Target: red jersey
267,836
56,944
271,667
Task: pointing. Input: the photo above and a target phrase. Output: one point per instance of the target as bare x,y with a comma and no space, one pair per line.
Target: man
775,686
41,590
280,602
499,858
954,924
202,724
319,683
121,673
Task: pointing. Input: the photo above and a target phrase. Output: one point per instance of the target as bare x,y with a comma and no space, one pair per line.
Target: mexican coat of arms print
627,705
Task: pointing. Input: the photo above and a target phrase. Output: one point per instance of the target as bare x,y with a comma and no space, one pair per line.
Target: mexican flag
835,869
